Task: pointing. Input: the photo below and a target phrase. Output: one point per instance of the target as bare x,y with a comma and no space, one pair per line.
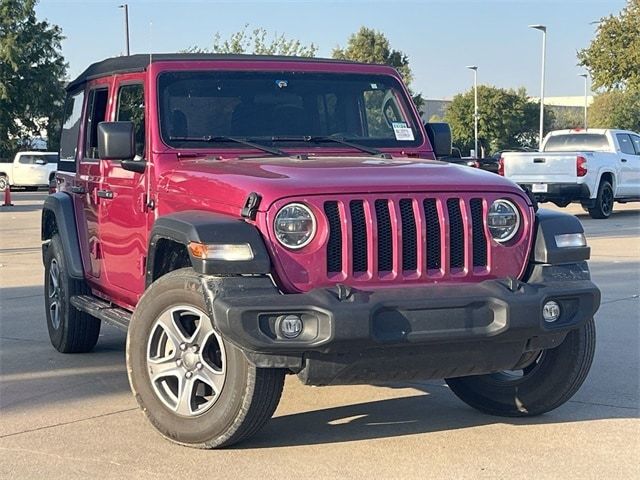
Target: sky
439,37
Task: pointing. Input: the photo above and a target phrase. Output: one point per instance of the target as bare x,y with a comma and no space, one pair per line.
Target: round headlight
295,225
503,220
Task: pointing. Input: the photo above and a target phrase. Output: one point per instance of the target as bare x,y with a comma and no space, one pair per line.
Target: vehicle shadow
434,411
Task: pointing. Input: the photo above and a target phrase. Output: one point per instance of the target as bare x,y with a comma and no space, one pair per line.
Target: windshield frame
405,102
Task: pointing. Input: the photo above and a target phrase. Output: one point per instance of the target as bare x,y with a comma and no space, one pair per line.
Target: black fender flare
550,223
60,206
209,228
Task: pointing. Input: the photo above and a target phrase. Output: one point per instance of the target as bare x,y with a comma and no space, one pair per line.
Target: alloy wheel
186,361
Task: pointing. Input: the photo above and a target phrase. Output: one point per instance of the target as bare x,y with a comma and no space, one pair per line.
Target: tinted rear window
572,142
33,159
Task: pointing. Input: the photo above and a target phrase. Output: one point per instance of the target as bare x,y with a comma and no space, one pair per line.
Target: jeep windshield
294,109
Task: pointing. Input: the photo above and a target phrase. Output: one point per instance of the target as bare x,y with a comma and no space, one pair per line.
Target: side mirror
116,141
440,137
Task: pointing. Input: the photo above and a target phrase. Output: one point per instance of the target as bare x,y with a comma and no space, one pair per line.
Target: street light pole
586,77
475,108
543,29
126,26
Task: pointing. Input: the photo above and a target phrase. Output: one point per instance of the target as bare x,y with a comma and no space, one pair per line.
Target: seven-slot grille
409,236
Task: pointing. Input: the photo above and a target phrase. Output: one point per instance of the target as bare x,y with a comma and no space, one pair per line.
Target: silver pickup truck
594,167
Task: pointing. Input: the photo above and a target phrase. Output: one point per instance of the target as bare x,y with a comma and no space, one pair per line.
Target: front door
123,204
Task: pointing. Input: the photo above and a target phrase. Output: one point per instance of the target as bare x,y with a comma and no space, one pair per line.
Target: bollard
7,197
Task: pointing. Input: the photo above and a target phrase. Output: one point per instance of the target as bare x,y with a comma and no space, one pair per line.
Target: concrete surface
72,416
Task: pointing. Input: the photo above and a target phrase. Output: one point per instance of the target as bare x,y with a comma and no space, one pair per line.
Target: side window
131,109
625,143
636,143
70,131
96,112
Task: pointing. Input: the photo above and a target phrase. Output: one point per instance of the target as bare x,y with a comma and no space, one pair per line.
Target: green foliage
256,42
507,119
616,109
566,117
32,71
613,58
371,46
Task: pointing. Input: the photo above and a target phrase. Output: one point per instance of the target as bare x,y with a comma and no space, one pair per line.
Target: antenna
150,42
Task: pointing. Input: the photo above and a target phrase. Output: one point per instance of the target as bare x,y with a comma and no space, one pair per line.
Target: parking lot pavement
72,416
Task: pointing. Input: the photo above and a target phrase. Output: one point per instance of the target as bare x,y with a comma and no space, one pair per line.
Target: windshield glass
367,109
573,142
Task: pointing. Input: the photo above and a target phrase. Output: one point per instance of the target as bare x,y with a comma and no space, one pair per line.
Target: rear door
89,179
627,163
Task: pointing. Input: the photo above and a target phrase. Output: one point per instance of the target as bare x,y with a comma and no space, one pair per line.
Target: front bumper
434,331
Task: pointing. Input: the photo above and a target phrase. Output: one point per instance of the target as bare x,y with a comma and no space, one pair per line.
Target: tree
616,109
507,119
371,46
256,42
32,72
566,117
613,57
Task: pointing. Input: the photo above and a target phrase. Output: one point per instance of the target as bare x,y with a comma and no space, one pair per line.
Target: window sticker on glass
402,131
374,86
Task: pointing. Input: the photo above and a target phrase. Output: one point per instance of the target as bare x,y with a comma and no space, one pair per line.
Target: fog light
289,326
551,311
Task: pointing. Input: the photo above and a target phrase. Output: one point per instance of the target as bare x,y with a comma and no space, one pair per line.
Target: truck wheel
194,387
70,330
4,183
604,201
549,380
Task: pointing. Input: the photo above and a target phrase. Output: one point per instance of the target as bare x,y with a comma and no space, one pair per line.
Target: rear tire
4,183
546,383
70,330
194,387
604,201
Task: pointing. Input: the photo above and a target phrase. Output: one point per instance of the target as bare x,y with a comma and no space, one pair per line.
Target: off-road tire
74,331
603,206
554,380
247,400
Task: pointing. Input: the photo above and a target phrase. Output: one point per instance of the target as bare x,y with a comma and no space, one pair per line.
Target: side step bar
116,316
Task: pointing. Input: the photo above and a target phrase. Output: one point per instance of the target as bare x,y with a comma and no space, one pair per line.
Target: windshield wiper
223,138
332,138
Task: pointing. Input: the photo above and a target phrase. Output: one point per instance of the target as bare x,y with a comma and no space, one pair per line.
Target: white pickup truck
29,170
594,167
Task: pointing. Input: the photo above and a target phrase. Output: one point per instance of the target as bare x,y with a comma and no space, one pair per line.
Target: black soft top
139,62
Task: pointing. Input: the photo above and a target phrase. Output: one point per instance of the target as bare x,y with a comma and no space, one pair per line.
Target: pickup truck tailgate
543,167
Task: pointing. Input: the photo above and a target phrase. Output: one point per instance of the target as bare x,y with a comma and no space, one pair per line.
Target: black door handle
623,160
105,193
77,189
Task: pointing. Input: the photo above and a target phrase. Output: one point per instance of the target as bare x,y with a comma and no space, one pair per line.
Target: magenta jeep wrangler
249,217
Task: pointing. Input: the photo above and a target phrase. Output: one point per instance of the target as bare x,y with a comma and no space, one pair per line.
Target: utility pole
586,98
543,29
475,108
126,26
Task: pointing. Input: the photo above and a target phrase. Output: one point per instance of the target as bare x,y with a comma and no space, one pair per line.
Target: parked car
287,216
595,167
29,170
